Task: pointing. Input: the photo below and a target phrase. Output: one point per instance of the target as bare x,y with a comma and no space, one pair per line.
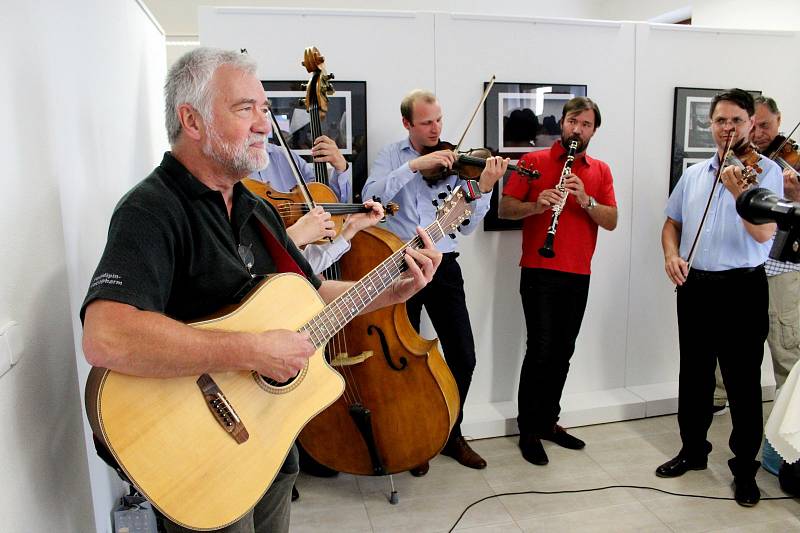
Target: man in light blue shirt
396,176
722,297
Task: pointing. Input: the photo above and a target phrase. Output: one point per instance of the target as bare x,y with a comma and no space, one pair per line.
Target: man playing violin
554,290
171,255
317,224
397,176
725,284
783,278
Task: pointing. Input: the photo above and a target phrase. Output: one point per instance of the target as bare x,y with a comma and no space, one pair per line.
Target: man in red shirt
554,290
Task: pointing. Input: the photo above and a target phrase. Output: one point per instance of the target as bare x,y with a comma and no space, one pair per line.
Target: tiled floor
619,453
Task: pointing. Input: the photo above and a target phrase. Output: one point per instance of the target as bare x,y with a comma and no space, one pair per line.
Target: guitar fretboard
350,303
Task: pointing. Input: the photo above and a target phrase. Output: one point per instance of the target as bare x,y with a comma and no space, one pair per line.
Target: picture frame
345,122
692,141
520,118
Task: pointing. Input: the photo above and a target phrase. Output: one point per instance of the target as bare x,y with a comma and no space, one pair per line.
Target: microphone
761,206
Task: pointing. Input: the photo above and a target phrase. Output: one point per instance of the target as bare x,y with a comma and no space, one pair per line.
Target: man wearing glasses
721,298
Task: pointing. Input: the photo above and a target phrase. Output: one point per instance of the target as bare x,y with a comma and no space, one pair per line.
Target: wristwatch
591,205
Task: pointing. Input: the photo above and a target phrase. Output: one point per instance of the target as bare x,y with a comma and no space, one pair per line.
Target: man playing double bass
176,252
397,176
554,290
317,224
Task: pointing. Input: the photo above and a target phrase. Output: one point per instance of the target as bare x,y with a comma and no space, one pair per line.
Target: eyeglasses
247,257
721,122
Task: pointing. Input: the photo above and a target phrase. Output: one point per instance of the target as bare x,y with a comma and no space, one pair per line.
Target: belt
716,275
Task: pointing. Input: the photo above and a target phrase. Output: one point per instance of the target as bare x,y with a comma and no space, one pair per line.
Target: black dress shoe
746,492
459,450
421,470
678,466
560,436
532,450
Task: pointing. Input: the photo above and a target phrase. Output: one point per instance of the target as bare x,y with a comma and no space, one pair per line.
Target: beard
238,160
581,145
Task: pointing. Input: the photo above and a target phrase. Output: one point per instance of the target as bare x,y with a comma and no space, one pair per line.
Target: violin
468,164
788,156
746,157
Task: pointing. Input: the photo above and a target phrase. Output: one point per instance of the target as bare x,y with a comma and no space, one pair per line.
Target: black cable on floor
604,488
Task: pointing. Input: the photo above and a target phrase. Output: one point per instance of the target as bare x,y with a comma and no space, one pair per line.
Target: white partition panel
669,56
391,51
469,49
625,364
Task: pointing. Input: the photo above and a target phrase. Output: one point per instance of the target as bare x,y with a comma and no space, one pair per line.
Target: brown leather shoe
421,470
459,450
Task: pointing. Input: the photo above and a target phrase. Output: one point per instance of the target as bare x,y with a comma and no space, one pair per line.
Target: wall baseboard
498,419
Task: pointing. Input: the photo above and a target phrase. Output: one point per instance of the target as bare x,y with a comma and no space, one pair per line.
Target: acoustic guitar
205,449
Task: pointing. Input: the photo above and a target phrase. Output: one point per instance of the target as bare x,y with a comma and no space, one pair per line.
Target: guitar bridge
222,410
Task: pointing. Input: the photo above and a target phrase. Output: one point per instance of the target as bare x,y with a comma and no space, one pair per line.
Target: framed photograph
521,118
691,129
345,122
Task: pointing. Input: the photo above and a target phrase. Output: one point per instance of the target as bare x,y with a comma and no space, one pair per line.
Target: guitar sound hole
273,383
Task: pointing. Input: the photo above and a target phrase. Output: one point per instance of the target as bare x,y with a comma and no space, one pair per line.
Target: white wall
625,364
82,121
745,14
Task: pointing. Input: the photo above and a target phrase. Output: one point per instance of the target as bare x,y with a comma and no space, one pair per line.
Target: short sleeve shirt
576,235
173,249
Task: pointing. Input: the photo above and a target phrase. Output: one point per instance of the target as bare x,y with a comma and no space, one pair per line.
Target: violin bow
292,163
477,108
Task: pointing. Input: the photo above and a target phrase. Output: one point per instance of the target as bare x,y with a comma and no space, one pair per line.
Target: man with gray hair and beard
190,239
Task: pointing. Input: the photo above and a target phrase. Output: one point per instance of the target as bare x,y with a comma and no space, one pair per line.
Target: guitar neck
337,314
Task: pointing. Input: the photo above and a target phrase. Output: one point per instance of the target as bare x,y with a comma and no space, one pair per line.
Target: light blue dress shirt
724,243
392,181
279,175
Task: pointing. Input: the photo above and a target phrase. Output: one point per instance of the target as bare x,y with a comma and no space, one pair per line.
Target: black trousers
554,303
722,316
444,300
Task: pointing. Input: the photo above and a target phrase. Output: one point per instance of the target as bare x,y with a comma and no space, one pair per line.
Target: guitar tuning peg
435,203
449,188
301,102
331,76
451,235
304,86
465,222
442,195
458,229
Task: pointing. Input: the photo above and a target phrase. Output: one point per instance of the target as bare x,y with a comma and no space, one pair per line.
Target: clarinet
547,248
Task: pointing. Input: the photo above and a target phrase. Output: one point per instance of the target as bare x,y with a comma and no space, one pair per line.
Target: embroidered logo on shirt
106,279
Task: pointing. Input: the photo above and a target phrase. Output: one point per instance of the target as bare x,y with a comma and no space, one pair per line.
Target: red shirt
576,235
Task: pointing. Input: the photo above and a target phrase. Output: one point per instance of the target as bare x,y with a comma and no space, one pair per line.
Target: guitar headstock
454,210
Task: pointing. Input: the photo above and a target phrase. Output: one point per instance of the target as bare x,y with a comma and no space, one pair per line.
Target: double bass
400,399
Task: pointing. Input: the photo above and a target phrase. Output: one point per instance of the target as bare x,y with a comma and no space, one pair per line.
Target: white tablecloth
783,426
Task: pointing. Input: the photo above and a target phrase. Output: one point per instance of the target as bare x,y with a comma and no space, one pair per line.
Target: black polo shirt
172,248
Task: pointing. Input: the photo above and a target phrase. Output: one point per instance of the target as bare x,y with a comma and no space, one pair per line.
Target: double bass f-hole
387,353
